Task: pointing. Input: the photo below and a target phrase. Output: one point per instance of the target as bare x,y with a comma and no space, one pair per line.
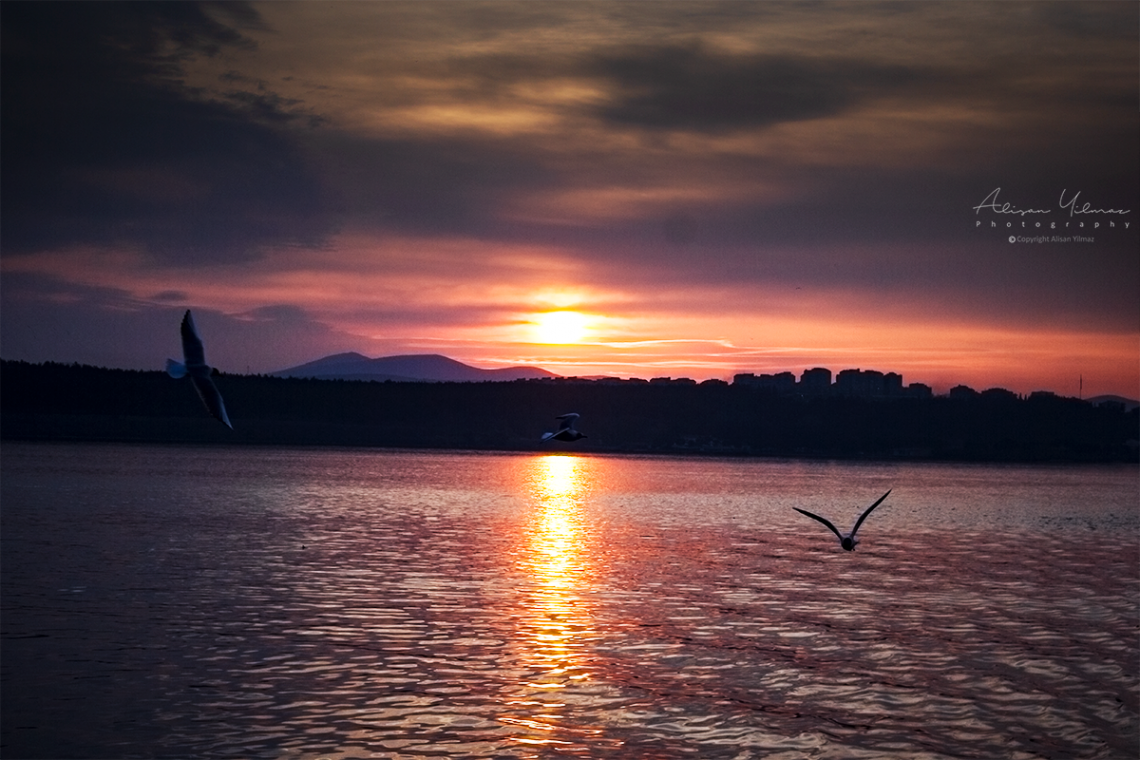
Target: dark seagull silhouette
566,431
194,358
849,541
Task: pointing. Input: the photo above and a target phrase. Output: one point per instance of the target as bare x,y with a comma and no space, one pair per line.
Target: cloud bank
796,181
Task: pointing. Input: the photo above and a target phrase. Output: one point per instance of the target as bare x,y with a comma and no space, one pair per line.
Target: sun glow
560,327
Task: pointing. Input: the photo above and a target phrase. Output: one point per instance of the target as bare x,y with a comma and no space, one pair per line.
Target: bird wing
823,520
192,349
547,436
175,370
568,420
867,511
212,399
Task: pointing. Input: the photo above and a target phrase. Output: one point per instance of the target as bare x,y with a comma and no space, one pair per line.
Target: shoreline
60,402
69,429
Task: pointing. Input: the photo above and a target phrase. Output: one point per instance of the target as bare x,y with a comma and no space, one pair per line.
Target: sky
950,191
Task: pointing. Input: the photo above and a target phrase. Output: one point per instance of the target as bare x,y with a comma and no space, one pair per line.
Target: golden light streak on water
554,619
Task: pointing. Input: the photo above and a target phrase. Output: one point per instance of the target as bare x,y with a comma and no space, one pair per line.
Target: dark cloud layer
104,145
1035,139
455,186
689,87
51,319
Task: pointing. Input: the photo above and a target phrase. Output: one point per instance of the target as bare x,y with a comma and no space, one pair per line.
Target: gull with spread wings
848,541
566,430
194,365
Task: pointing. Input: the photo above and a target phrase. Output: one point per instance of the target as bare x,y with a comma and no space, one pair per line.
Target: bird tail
174,369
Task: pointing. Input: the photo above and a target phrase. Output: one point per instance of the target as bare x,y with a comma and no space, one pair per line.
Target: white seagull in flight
566,431
849,541
194,356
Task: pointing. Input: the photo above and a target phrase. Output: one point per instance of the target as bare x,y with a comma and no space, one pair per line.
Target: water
179,602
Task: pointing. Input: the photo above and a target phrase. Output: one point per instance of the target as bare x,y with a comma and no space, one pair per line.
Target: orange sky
712,188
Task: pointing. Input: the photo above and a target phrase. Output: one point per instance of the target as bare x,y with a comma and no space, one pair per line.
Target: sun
560,327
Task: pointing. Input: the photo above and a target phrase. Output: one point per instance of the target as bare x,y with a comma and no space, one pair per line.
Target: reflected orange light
554,620
555,560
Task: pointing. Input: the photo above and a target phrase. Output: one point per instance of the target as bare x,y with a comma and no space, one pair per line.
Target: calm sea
181,602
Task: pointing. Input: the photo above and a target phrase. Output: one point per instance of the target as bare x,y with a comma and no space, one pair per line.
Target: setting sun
560,327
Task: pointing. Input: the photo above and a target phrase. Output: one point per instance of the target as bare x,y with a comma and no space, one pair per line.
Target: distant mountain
412,368
1129,404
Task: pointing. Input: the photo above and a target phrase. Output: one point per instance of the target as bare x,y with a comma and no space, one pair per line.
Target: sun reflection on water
555,619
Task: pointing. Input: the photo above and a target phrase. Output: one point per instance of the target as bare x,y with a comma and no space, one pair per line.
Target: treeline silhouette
75,402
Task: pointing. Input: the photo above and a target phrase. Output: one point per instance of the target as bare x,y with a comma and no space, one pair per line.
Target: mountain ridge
431,368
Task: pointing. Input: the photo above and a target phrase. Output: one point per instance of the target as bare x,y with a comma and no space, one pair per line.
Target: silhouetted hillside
411,368
55,401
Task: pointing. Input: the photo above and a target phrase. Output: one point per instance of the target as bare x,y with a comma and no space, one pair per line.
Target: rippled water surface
178,602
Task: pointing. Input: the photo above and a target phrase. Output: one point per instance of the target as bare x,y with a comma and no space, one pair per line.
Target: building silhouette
849,383
816,380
